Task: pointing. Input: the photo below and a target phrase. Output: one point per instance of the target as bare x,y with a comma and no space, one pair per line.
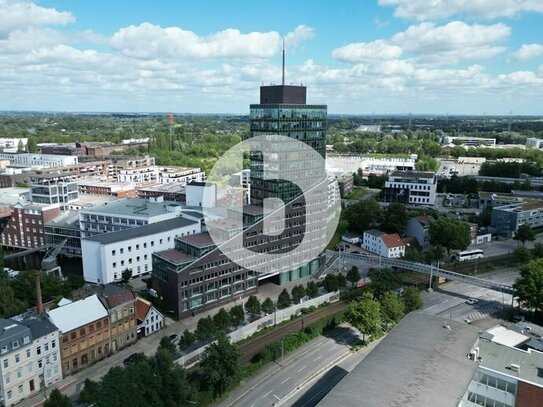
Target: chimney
39,302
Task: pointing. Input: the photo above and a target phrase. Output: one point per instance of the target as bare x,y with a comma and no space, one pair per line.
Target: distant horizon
370,115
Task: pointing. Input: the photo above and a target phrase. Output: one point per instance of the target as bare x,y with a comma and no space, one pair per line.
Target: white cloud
363,51
16,15
527,51
175,42
299,35
453,41
423,10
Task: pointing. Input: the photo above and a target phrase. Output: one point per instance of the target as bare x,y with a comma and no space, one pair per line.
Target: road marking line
285,380
302,368
265,395
276,397
314,360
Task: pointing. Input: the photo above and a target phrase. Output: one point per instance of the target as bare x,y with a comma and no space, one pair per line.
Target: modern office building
30,358
506,219
126,213
410,187
39,160
54,188
106,256
196,275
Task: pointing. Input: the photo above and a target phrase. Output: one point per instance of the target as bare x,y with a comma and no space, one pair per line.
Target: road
278,385
449,300
311,372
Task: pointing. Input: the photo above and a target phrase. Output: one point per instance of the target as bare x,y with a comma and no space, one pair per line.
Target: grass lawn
341,228
357,193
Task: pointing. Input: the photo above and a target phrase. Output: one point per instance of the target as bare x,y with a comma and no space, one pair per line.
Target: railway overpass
374,260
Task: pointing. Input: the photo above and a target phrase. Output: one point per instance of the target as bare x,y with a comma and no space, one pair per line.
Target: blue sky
370,56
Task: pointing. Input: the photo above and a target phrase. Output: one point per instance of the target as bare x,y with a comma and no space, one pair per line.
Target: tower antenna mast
283,70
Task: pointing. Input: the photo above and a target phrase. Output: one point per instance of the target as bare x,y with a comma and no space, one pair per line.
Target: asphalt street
279,382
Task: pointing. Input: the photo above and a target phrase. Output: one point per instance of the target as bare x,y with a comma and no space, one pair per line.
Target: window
113,252
17,358
72,336
26,340
9,395
38,350
4,349
114,264
28,353
5,363
20,389
46,347
40,364
19,374
15,344
129,248
122,250
137,247
82,331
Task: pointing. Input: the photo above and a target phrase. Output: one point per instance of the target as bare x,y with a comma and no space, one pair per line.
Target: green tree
312,290
330,283
395,218
363,215
31,145
166,345
538,250
221,320
381,281
205,329
297,293
523,254
365,315
237,315
220,365
253,306
284,300
9,305
449,233
268,306
89,392
411,299
20,147
127,275
353,275
529,286
392,308
524,233
341,280
187,339
57,399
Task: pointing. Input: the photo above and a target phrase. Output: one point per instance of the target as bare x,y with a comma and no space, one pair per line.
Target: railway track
250,349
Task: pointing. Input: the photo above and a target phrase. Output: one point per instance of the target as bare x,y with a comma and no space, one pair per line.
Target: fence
264,322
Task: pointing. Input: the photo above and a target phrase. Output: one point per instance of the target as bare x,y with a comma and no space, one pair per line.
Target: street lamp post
43,378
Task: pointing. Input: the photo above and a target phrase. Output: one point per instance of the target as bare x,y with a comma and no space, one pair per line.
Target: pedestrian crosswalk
483,312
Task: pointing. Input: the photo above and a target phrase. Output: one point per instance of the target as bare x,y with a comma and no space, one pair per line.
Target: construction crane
48,265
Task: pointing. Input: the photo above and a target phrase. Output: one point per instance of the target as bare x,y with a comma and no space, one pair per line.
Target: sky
358,57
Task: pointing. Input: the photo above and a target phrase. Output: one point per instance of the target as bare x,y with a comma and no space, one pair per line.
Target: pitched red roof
392,240
142,308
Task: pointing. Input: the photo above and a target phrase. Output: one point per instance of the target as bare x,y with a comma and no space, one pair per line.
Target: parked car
131,359
174,338
472,301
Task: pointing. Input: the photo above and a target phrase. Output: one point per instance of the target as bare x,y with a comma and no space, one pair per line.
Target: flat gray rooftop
420,364
133,207
147,230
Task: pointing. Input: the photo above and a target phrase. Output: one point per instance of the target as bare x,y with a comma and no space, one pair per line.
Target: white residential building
383,244
162,175
149,319
106,256
420,186
534,142
138,175
29,358
40,160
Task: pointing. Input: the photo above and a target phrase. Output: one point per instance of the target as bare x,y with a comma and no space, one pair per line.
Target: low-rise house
351,238
29,358
149,319
418,228
383,244
121,305
84,332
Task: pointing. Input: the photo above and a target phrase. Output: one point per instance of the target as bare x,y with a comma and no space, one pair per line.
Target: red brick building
25,227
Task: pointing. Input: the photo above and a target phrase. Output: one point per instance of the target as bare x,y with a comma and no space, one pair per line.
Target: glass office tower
283,111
